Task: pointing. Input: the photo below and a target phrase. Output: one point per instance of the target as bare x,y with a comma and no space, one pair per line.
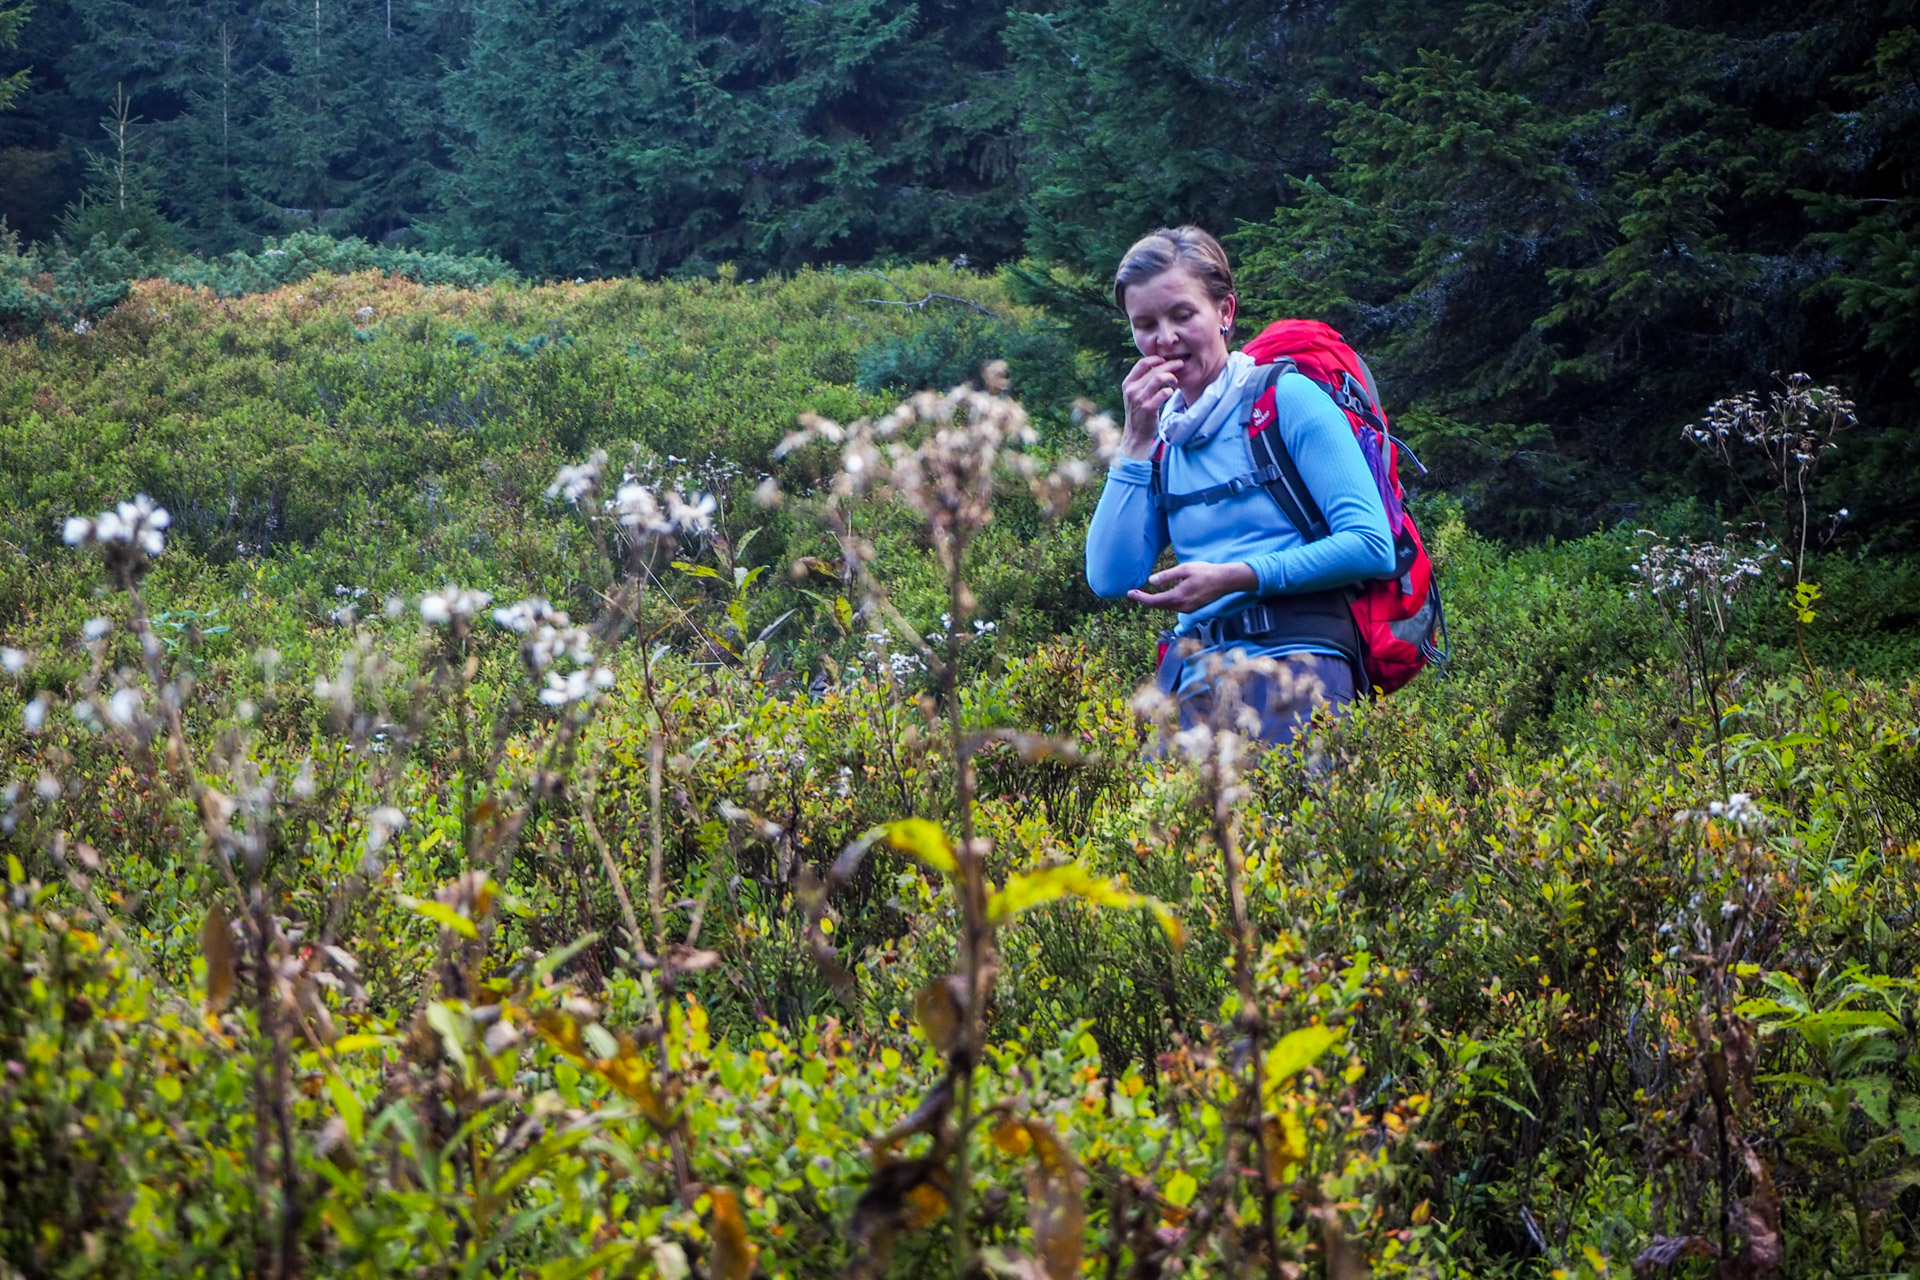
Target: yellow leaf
929,1206
1298,1050
1035,888
355,1043
434,837
925,841
1011,1137
1180,1189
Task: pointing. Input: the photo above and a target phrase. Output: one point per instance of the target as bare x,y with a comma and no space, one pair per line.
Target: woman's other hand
1195,584
1151,383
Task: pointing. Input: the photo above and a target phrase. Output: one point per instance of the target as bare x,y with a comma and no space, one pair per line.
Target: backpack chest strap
1233,488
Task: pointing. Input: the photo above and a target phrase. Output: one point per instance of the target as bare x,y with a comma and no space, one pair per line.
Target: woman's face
1174,320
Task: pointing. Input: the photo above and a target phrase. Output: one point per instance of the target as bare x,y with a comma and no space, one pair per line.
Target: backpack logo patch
1262,415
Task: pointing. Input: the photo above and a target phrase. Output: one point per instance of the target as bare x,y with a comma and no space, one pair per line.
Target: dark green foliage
1599,222
638,136
304,254
54,288
13,17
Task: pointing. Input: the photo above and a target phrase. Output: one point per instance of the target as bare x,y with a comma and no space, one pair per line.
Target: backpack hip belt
1321,619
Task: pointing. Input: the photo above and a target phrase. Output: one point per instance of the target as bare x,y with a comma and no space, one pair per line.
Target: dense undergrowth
810,907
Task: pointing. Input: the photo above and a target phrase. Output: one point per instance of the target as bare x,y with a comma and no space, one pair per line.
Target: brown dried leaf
1345,1261
733,1254
941,1010
1055,1210
1664,1251
906,1195
687,959
216,944
1759,1218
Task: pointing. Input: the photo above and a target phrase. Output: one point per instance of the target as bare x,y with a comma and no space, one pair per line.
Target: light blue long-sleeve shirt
1128,533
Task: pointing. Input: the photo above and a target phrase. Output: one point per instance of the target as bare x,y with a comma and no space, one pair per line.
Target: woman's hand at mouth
1153,380
1195,584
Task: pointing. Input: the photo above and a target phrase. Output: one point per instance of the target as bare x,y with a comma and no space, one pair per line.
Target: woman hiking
1249,584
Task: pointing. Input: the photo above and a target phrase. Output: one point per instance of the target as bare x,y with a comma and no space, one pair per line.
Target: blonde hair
1162,250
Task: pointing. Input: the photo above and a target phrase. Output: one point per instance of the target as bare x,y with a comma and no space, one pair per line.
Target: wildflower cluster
639,511
551,637
129,534
1718,571
438,608
1786,433
1797,422
578,481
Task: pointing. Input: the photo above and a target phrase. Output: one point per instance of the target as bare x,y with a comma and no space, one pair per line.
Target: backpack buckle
1239,485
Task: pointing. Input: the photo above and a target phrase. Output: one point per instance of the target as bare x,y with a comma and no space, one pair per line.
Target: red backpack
1401,623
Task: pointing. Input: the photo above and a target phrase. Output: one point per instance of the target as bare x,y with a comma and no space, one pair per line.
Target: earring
1226,329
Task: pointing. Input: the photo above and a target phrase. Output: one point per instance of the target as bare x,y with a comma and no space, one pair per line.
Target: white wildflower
551,643
635,507
123,708
34,714
523,616
303,786
381,824
576,482
47,787
94,629
583,685
14,661
140,523
690,517
365,313
440,607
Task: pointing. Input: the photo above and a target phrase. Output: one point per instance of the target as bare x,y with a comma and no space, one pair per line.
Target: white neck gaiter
1189,427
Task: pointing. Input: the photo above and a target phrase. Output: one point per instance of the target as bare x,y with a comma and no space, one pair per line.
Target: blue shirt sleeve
1335,472
1128,532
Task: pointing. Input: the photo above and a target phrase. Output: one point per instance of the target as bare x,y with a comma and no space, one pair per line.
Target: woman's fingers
1167,577
1175,592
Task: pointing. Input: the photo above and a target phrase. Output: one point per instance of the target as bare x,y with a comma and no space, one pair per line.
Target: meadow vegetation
612,780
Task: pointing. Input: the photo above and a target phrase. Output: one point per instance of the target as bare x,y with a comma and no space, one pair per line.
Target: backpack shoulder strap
1270,456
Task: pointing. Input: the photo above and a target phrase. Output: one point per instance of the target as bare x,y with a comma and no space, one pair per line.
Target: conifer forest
553,724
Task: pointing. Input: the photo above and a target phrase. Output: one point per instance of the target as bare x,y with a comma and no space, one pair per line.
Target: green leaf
552,961
1907,1121
925,841
699,570
1298,1050
347,1104
1180,1189
441,913
447,1023
1036,888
